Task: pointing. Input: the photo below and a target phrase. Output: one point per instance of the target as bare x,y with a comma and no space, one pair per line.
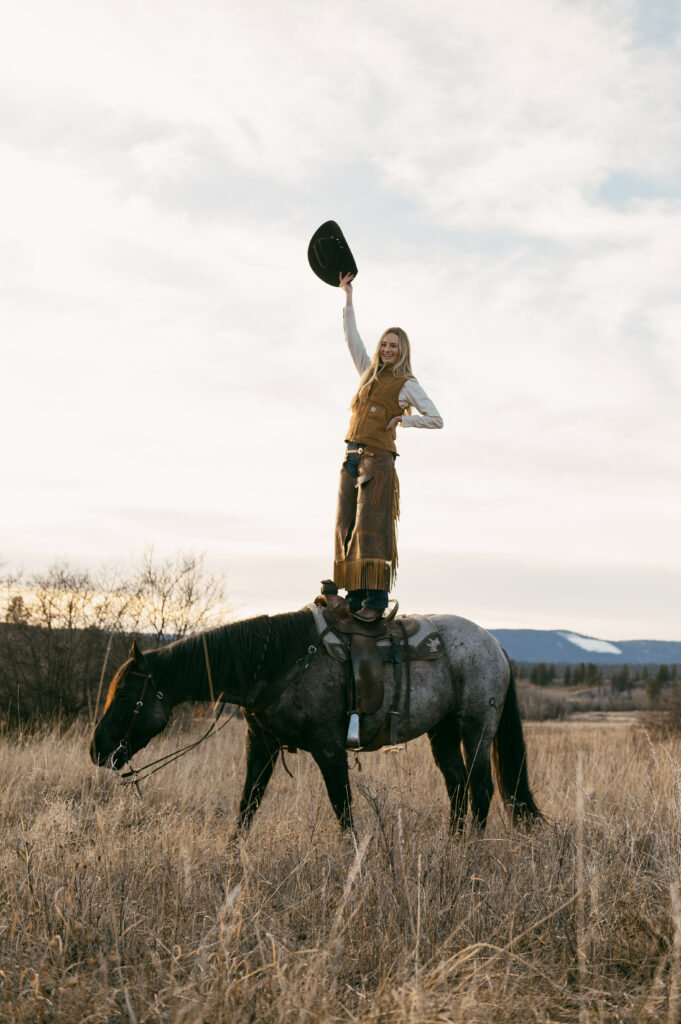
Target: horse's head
135,710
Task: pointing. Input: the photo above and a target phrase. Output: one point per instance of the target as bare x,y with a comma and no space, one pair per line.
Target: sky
508,177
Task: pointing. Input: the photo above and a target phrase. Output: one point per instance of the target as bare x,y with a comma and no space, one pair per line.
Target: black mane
262,647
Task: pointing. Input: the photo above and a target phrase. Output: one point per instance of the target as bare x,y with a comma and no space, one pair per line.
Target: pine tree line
621,678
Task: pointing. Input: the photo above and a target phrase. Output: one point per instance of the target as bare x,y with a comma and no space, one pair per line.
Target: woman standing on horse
365,556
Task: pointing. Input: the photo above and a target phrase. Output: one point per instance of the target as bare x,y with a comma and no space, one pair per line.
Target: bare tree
56,631
64,628
174,597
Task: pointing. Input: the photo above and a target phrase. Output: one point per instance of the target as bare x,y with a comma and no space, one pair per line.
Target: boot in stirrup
365,614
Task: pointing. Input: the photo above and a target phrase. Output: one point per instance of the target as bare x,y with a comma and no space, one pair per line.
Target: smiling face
389,349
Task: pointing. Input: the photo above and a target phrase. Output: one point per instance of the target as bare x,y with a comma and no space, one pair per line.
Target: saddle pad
426,644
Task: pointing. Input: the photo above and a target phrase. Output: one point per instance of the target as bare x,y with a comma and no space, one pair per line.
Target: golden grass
114,909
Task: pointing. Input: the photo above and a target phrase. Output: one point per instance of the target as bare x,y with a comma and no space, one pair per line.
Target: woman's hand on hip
392,426
346,285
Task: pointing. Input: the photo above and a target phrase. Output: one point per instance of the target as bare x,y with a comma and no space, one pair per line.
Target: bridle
148,677
265,695
135,775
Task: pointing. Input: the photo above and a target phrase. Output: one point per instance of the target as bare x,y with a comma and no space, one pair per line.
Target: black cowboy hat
329,254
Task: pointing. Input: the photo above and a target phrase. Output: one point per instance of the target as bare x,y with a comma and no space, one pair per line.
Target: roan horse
294,694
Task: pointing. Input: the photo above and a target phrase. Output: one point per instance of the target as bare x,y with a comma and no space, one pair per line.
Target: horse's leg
477,750
445,742
261,757
333,764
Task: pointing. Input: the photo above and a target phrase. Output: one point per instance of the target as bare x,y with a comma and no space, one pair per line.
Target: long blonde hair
401,367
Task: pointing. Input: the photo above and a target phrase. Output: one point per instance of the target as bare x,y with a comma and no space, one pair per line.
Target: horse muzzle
115,760
119,756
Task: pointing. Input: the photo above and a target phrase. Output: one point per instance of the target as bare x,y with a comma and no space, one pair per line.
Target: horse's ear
136,655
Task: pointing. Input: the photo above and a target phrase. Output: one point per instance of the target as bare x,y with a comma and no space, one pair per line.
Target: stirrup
393,611
352,741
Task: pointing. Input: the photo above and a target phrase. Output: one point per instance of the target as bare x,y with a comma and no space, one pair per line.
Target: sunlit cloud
509,179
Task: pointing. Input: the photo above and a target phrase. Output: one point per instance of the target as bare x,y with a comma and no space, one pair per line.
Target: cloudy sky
509,179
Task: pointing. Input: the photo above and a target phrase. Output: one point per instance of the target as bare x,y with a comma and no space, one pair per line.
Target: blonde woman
365,556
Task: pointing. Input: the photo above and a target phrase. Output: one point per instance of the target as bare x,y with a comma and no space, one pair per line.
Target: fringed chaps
365,555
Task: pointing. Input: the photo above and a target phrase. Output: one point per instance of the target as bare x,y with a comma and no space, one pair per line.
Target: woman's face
390,349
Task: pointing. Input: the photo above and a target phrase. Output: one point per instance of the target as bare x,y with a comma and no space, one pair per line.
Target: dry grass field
116,909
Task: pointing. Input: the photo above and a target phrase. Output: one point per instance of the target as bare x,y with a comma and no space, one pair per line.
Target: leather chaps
365,554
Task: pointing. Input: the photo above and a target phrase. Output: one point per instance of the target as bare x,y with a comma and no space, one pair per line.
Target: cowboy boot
365,614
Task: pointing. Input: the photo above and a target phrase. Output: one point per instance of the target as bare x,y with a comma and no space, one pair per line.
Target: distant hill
557,645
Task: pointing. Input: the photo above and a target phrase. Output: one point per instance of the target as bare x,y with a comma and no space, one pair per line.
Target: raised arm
360,356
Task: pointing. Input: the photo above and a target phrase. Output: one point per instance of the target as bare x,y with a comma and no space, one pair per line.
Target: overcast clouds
509,178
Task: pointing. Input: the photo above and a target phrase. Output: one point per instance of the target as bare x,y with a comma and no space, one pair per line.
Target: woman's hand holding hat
346,285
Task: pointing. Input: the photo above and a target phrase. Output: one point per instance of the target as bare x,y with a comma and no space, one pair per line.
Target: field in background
115,909
558,703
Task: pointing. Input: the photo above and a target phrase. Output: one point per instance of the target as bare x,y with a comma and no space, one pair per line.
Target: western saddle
366,647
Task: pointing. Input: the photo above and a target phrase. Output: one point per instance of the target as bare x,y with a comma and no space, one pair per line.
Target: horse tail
510,758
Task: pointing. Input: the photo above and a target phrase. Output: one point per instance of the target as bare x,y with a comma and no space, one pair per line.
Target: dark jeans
352,461
368,598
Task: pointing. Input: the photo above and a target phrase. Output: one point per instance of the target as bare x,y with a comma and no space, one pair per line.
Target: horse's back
465,636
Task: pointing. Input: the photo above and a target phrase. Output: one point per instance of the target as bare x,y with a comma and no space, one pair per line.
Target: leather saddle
371,645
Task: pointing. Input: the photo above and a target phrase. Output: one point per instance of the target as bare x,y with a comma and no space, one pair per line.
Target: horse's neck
203,668
184,671
231,663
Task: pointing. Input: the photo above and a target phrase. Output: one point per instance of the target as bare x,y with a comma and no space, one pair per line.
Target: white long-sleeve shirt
411,392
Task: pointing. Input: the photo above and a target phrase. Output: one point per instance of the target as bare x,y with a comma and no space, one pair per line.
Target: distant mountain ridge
565,646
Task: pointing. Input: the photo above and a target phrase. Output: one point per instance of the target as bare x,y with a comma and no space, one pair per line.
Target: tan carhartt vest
377,407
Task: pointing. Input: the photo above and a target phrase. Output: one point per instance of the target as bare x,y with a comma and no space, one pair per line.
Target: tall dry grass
115,909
